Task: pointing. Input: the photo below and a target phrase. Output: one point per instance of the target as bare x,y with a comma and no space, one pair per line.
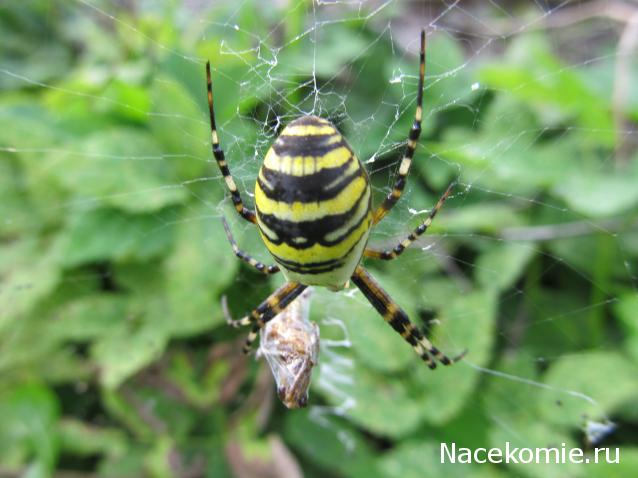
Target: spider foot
229,319
460,356
248,345
444,359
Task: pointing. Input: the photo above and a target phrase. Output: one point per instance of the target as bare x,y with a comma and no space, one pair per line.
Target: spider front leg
218,152
413,139
398,320
269,308
395,252
260,266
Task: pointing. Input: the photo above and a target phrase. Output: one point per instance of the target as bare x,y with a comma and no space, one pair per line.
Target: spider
313,212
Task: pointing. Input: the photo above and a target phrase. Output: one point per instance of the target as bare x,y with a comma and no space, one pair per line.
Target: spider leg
398,319
397,250
218,152
413,139
269,308
260,266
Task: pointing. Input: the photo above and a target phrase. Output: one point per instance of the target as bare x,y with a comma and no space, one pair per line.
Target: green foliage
114,356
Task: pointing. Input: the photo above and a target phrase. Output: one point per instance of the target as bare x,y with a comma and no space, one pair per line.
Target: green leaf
501,265
27,278
131,345
487,217
83,439
626,466
203,392
119,406
587,386
88,317
509,403
202,265
129,100
380,405
507,153
180,127
416,459
31,136
15,206
534,434
444,55
560,94
131,464
627,311
584,252
33,45
468,323
158,459
339,46
124,168
330,443
602,76
556,321
28,413
503,396
595,195
108,234
373,340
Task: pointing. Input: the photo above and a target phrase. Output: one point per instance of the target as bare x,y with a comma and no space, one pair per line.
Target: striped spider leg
398,319
397,250
381,301
248,259
413,138
218,153
273,305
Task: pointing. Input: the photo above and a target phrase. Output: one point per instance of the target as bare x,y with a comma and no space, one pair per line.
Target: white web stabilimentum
268,78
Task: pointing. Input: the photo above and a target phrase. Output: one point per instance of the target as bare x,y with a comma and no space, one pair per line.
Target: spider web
518,78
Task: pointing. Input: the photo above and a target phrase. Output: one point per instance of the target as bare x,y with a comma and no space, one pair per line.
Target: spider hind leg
260,266
273,305
399,321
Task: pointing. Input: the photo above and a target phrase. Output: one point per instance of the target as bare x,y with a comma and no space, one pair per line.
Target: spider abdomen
313,203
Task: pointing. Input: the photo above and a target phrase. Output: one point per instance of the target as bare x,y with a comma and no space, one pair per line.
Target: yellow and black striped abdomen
313,203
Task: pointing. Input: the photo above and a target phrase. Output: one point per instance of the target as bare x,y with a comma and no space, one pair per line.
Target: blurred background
115,360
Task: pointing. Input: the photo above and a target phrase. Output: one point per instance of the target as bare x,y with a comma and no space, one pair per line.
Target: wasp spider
313,211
